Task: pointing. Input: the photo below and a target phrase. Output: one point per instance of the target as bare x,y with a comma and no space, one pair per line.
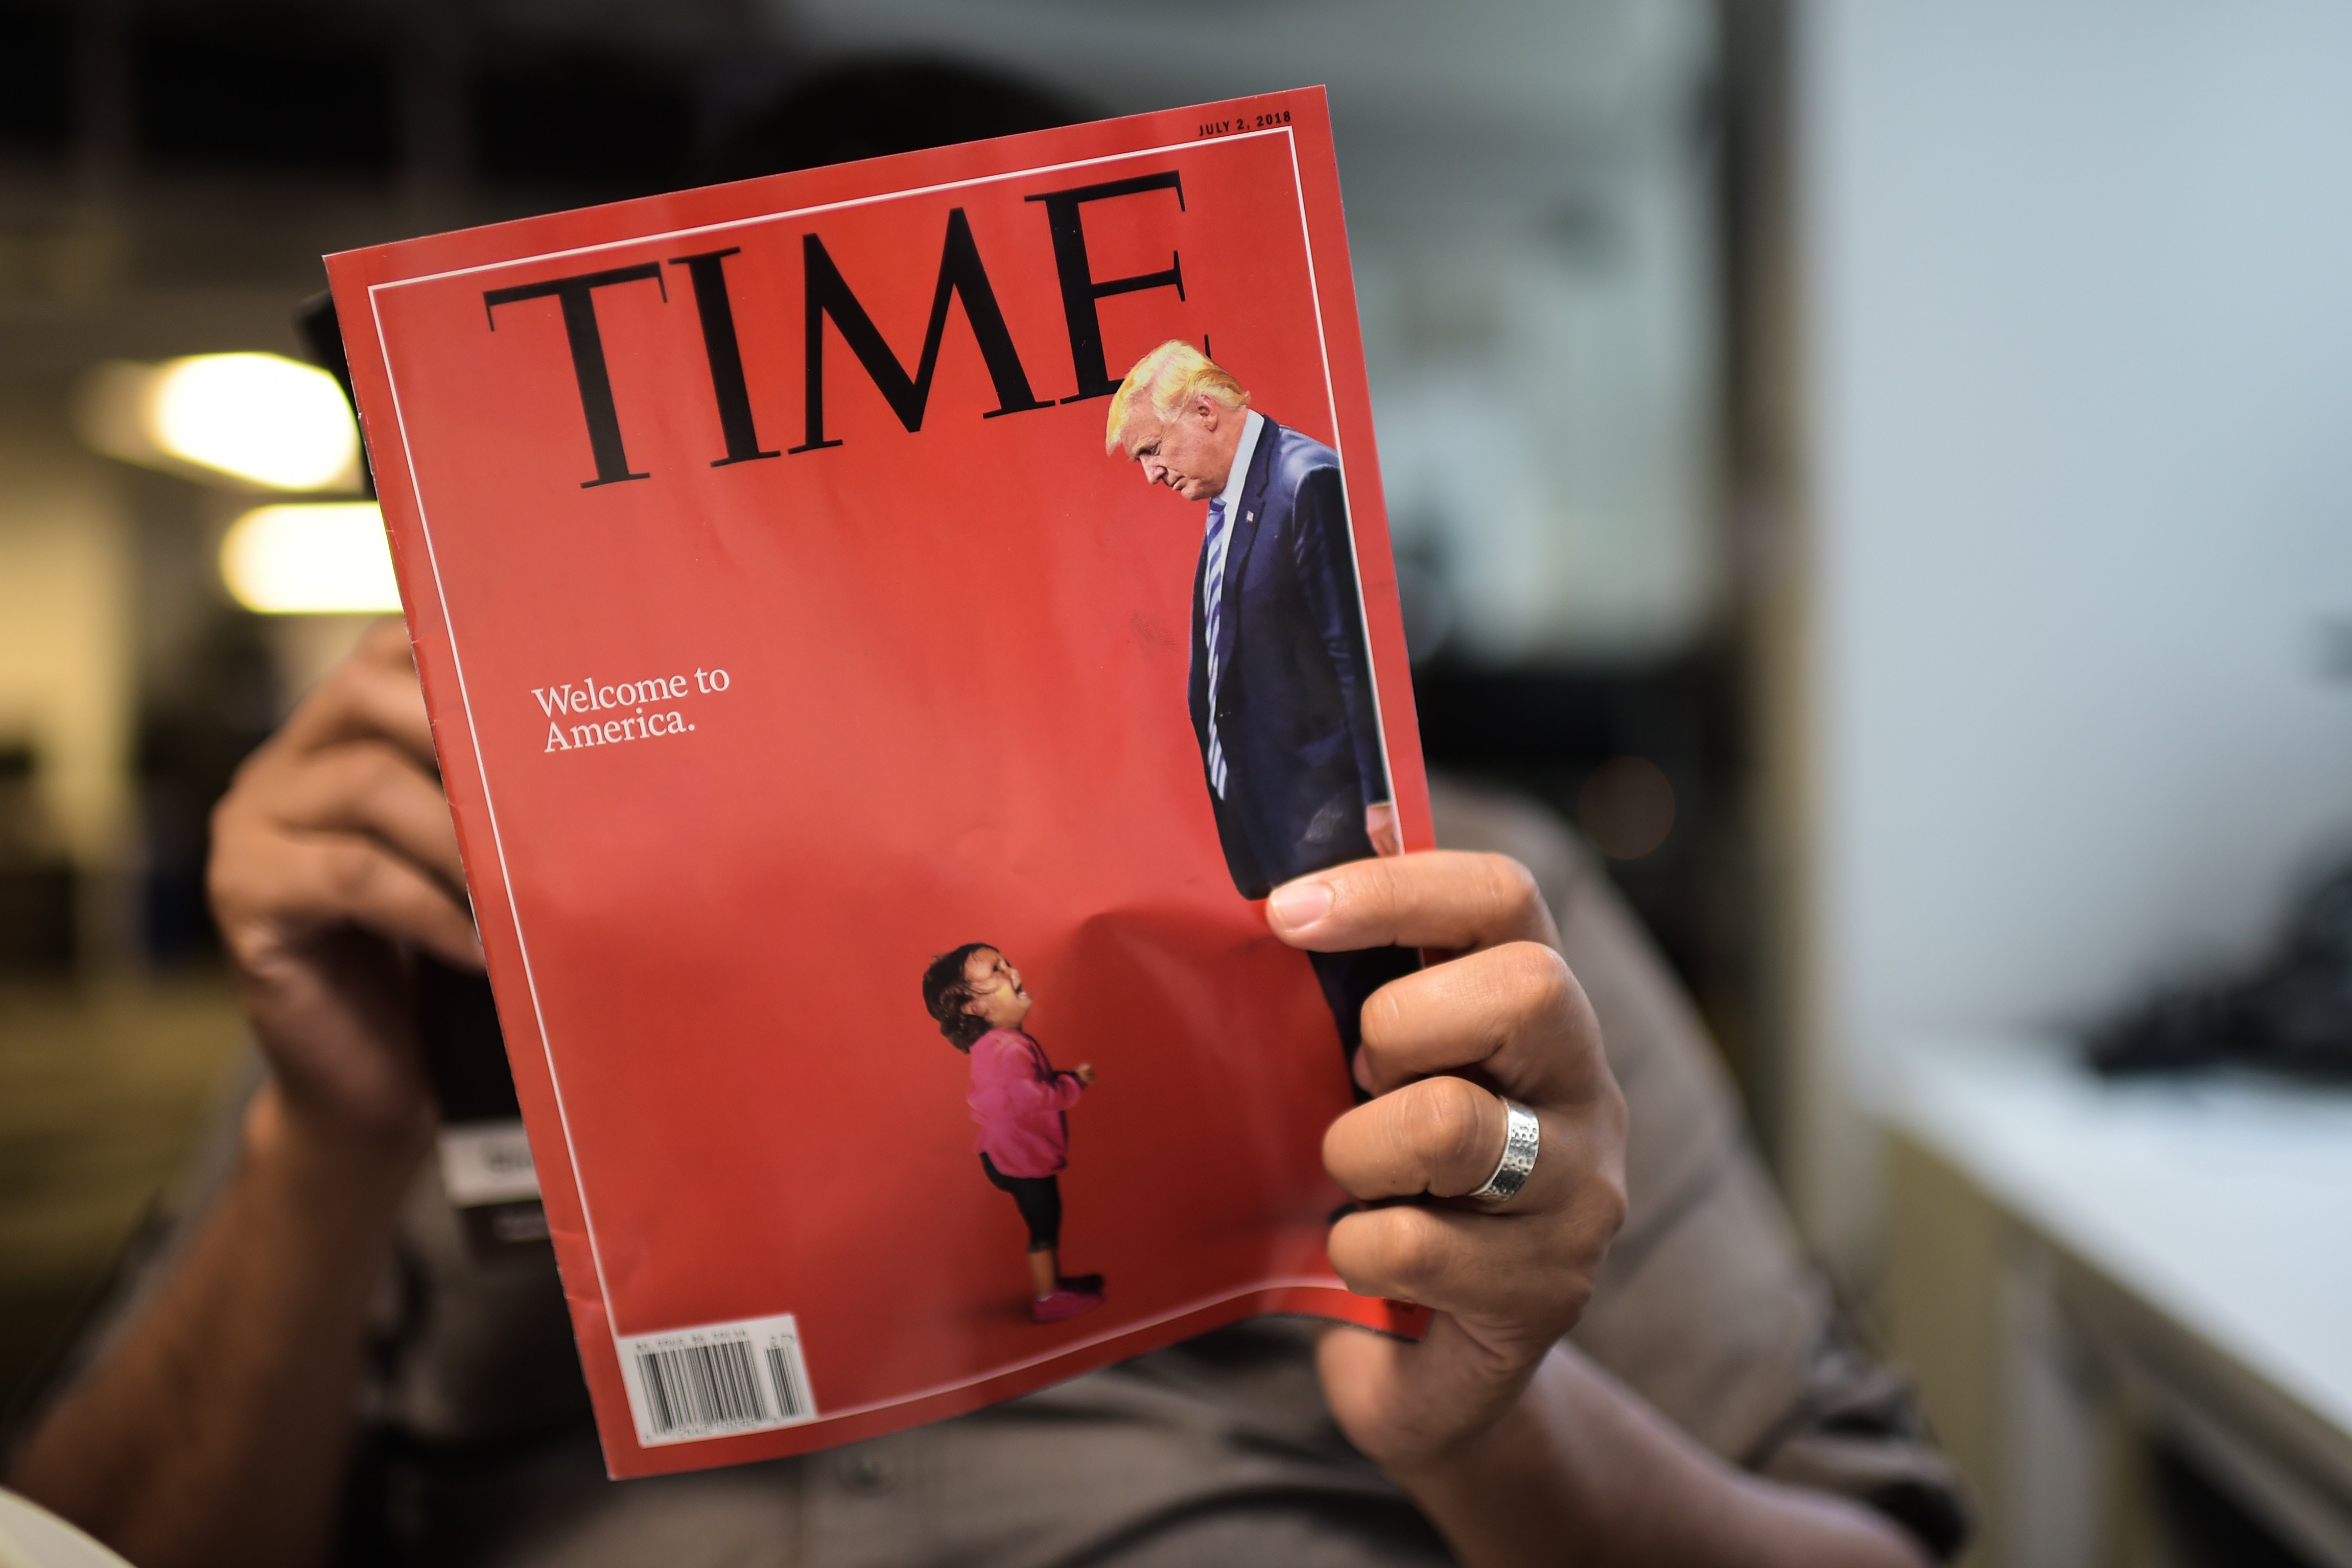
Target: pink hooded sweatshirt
1018,1100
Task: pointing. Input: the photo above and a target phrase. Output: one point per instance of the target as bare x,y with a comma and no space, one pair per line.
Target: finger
1514,1013
1438,898
371,695
351,879
386,644
1441,1136
339,879
1453,1261
376,788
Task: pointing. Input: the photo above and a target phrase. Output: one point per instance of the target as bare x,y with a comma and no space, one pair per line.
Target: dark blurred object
323,342
565,113
36,77
1648,763
481,1118
2294,1015
36,881
2206,1527
868,108
465,1055
213,705
322,345
36,919
283,88
584,116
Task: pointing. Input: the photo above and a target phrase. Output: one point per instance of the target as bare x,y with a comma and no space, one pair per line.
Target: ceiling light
319,559
260,418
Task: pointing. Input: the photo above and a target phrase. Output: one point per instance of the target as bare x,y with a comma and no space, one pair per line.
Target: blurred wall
2079,342
65,675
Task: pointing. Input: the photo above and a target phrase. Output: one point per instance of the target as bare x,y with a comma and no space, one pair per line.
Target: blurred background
1879,468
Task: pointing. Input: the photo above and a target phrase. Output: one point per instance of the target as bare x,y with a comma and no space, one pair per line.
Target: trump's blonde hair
1169,378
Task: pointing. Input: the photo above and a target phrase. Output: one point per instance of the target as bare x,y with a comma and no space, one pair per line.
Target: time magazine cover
886,628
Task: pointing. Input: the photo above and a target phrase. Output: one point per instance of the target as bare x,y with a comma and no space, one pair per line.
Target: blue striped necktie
1212,591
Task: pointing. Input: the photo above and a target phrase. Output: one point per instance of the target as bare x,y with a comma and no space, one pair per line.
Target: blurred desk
2178,1249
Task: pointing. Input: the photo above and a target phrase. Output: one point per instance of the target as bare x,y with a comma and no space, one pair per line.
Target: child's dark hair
946,993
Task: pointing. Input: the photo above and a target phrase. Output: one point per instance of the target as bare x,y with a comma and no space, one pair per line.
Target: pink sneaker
1060,1304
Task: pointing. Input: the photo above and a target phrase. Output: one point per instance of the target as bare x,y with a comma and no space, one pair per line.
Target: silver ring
1522,1141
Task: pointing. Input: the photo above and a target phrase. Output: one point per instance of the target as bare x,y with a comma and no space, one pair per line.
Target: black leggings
1039,1199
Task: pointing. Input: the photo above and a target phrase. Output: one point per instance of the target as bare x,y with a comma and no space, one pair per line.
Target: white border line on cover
1333,1284
1355,556
497,839
481,768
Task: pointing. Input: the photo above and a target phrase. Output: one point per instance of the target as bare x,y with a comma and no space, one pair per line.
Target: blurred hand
1506,1282
1085,1073
333,848
1380,827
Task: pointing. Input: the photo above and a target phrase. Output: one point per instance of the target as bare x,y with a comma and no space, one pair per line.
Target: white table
2200,1231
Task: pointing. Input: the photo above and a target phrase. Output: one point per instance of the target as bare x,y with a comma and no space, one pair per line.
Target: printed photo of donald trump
1281,681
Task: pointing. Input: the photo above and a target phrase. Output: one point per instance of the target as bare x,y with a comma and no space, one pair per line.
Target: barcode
789,1400
700,1386
719,1380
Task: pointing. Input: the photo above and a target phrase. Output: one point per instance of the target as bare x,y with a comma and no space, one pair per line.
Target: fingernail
1299,905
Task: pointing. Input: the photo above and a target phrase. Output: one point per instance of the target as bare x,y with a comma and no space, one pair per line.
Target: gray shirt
476,1446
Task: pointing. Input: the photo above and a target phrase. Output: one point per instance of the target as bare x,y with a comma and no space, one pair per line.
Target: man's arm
1517,1448
1580,1470
218,1429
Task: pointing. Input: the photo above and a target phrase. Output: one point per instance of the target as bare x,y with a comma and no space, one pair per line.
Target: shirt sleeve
1707,1307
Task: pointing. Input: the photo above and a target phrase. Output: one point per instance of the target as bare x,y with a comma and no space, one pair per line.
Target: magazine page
872,734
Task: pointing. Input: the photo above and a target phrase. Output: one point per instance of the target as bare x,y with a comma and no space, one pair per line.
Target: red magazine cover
886,627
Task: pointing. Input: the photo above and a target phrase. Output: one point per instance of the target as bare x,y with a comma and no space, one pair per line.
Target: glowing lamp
315,559
260,419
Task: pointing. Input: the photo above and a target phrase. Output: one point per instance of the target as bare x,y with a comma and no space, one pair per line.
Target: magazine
886,628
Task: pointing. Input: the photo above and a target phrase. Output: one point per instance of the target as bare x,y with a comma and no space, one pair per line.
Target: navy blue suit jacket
1295,711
